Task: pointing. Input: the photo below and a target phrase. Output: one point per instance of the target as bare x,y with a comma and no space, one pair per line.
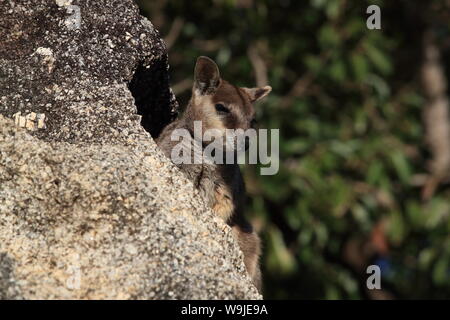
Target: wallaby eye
220,108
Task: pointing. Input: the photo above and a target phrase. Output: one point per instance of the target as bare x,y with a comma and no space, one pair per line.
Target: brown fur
222,186
223,202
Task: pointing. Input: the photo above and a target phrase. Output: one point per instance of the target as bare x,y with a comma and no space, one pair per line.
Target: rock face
74,73
89,206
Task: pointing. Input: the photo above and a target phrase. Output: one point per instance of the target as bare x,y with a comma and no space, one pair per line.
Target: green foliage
351,143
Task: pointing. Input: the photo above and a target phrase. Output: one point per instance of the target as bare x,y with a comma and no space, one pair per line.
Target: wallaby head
219,104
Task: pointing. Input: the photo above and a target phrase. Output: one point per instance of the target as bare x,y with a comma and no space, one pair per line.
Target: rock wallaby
220,105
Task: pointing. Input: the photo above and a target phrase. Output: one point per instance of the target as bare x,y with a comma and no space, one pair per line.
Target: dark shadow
153,97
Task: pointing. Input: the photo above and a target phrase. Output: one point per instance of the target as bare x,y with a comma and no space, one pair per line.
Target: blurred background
364,136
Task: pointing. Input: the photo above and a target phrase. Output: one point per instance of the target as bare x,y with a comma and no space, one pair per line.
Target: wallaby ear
206,75
257,93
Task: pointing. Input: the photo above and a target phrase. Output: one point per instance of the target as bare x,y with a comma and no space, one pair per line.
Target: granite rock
90,208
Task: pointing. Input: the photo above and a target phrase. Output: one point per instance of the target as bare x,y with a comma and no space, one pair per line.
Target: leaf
361,215
426,257
436,213
379,84
313,63
441,272
359,66
332,8
338,70
379,59
328,37
396,228
375,171
401,166
416,215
